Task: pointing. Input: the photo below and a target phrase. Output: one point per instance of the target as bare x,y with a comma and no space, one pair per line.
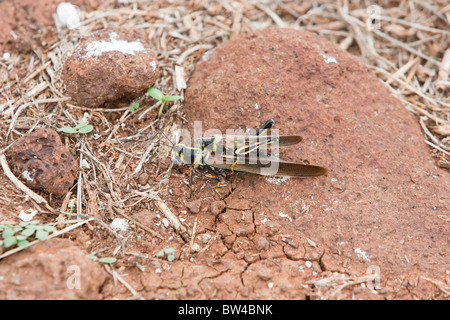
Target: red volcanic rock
380,203
43,162
110,65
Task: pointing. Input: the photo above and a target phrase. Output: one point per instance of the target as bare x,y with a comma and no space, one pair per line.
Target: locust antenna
173,144
184,121
169,170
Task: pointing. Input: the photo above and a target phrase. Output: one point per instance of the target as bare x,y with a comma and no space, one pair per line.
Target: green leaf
69,130
133,107
160,254
20,237
17,228
170,257
36,227
81,125
33,222
169,250
7,233
91,256
23,243
10,241
86,129
41,234
172,98
49,228
28,232
156,94
107,260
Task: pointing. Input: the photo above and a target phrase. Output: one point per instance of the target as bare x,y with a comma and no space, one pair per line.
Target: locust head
183,154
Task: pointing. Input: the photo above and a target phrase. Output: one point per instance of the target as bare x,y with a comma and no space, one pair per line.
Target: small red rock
262,244
194,206
43,162
217,207
53,269
110,65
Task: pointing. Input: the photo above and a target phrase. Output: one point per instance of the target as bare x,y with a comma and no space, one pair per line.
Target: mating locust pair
212,155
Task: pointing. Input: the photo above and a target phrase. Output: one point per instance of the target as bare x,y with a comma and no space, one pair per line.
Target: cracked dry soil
235,251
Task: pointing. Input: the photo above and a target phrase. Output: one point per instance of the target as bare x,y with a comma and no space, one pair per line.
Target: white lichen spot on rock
153,65
97,48
26,175
361,254
328,59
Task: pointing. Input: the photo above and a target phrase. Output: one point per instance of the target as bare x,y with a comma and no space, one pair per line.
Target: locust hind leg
219,181
216,189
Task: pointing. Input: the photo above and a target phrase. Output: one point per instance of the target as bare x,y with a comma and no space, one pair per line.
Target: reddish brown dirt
51,268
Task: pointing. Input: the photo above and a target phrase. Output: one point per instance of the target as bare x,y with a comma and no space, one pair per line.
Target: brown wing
267,166
285,141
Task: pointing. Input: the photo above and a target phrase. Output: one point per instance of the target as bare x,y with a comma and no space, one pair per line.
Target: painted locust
213,155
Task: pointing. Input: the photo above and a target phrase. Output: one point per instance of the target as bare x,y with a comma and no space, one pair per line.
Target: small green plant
226,34
133,107
102,260
83,128
169,253
23,233
158,95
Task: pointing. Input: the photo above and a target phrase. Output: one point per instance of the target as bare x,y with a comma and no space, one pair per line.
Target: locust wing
266,166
